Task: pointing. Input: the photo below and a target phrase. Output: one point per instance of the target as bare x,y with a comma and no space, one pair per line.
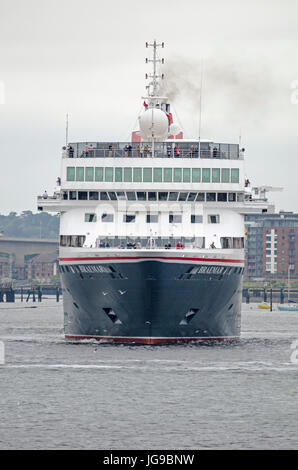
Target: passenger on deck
70,151
141,151
138,150
129,150
45,195
177,151
169,150
191,151
145,151
212,245
86,151
215,152
110,150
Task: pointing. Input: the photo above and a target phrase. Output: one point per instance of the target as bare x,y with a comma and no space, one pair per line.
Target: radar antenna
154,84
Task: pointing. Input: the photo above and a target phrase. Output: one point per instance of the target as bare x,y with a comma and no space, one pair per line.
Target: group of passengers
143,151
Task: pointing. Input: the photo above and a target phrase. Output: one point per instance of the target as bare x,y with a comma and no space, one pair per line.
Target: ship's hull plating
151,301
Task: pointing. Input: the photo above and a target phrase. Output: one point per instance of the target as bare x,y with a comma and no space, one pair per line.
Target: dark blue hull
151,301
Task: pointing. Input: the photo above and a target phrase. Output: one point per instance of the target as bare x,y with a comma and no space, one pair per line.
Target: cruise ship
152,231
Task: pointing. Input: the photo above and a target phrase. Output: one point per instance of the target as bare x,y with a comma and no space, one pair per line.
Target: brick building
271,251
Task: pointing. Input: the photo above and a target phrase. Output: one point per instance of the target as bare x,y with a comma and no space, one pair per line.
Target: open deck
167,149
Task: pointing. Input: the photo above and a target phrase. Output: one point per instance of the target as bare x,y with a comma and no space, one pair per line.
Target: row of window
153,218
148,242
153,196
156,175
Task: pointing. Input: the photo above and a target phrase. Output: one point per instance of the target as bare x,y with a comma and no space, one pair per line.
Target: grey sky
87,59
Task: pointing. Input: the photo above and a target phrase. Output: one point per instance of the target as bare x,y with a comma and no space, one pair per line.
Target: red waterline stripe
218,260
144,340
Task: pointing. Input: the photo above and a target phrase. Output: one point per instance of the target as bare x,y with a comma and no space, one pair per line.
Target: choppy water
58,395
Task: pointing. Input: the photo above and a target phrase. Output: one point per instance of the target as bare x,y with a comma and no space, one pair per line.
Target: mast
200,115
153,97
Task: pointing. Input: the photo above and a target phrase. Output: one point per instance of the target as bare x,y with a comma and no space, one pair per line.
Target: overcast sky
86,58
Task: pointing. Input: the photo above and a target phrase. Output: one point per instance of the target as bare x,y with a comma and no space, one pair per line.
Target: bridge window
118,175
82,195
151,196
167,175
157,175
141,196
182,196
232,197
173,196
222,197
79,173
225,175
235,175
70,173
186,175
72,195
162,196
177,175
200,197
206,175
147,175
127,175
131,196
215,175
137,175
191,196
98,174
104,196
109,174
89,173
196,175
112,196
121,195
93,196
211,197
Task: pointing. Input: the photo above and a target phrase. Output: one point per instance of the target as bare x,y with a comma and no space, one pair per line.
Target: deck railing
161,150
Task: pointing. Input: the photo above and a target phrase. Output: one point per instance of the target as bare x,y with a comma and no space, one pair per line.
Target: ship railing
220,151
45,197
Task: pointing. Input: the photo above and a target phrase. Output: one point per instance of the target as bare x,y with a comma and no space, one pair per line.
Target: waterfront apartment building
271,248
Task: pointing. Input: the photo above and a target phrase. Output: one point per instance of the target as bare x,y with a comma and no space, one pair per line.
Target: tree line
29,225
